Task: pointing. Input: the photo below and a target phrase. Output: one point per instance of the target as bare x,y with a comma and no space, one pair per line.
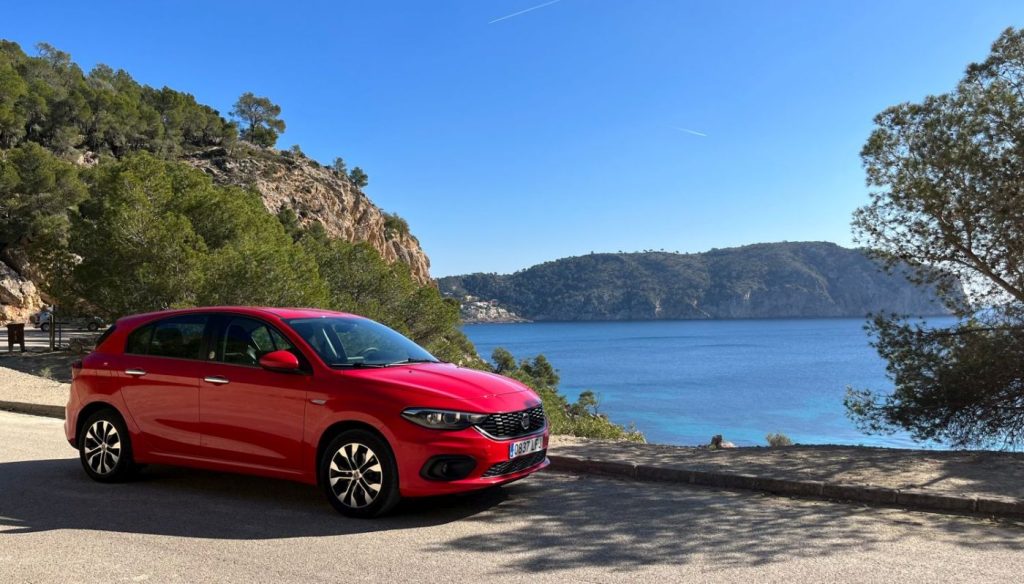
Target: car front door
251,416
159,372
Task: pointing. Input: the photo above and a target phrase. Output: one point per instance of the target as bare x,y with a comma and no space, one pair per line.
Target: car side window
138,340
245,340
180,337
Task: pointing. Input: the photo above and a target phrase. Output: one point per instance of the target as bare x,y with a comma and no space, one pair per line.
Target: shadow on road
42,495
549,522
624,526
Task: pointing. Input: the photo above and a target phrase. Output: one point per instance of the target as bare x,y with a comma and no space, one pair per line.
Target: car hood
447,380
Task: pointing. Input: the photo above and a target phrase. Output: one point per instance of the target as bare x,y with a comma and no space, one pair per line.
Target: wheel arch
337,428
89,410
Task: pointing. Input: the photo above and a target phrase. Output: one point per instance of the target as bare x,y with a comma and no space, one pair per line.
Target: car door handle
216,380
135,372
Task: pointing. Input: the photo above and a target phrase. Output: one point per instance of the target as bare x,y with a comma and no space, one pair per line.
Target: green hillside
770,280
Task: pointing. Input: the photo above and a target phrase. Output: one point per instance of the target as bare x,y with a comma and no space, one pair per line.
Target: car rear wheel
359,475
44,327
93,327
105,448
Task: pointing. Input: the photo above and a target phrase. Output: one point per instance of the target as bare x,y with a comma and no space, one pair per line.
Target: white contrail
694,132
524,11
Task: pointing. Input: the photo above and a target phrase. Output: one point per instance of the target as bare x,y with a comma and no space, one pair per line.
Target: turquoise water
683,381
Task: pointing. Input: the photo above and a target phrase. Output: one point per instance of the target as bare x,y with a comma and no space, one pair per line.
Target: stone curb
33,409
909,498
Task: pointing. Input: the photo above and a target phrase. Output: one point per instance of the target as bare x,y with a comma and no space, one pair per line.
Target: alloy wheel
356,475
102,447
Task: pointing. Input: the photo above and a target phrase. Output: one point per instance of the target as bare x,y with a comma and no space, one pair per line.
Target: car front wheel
359,475
105,448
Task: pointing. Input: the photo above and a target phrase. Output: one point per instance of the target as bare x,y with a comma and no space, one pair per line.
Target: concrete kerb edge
31,409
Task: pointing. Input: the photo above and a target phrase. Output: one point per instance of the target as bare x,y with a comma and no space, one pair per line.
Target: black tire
114,462
44,327
357,461
93,327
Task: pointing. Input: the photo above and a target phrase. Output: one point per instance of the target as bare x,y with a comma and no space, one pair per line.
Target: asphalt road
177,525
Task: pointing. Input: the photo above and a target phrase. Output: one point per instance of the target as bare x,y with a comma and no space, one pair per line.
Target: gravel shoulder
20,387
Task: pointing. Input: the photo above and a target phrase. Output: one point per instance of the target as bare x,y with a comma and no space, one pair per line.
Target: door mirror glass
280,361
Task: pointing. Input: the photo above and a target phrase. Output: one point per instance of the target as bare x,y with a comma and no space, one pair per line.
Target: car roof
283,313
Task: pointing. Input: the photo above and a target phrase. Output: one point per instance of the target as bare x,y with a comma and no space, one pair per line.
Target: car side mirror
282,360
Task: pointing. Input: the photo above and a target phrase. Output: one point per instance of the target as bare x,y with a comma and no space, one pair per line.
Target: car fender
320,418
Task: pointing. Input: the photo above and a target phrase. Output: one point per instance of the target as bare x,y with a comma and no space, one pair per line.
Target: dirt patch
55,366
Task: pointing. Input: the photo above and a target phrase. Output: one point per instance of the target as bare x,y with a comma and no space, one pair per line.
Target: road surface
179,525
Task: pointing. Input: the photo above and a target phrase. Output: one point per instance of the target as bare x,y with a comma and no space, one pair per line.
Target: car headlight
442,419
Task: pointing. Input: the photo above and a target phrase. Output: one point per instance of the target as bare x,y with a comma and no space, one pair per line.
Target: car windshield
357,342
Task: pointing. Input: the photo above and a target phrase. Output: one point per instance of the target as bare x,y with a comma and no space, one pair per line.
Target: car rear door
249,415
159,374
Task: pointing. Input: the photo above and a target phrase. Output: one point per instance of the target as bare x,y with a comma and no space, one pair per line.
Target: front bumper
487,452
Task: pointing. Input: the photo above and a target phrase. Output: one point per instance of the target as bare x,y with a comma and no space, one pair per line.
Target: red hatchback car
320,397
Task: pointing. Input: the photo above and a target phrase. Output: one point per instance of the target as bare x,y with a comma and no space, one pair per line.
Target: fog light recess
448,468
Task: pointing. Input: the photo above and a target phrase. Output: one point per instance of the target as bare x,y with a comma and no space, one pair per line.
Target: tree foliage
948,199
261,118
49,100
359,281
36,190
339,166
580,418
358,177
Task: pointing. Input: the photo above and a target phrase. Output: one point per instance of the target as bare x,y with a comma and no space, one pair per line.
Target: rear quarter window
106,335
138,340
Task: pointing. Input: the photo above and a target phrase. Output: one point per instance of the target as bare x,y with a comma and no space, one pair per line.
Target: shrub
573,419
779,439
395,225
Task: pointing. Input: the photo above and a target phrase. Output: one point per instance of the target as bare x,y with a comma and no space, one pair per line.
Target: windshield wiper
358,365
410,360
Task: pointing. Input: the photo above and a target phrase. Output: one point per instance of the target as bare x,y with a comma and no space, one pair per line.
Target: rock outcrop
316,193
19,296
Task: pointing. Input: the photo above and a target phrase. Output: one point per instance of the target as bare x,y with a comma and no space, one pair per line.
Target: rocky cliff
19,296
773,280
315,193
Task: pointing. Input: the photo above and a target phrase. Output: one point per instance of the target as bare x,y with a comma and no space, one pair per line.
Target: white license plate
526,447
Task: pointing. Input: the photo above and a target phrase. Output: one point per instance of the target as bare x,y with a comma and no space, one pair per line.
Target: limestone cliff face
19,297
319,194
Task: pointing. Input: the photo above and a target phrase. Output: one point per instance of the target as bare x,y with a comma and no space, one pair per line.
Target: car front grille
510,425
516,464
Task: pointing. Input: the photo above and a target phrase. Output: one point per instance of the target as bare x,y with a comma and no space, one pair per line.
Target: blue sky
561,130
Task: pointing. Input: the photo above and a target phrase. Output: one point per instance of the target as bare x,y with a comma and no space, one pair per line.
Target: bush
395,225
573,419
780,439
